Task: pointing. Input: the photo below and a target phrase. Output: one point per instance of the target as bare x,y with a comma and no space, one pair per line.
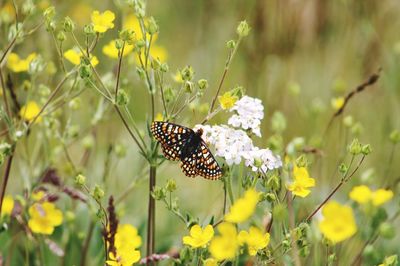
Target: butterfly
179,143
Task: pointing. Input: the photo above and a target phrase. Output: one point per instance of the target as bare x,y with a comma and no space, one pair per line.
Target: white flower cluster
234,145
249,113
228,142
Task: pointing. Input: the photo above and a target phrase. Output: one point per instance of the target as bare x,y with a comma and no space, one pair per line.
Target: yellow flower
224,246
227,100
338,222
132,23
210,262
255,239
302,181
199,237
38,195
44,217
244,207
8,206
361,194
29,111
381,196
111,51
126,241
337,103
75,57
124,257
159,117
16,64
103,21
127,237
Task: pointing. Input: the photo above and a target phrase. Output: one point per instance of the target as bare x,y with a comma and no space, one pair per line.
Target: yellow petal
381,196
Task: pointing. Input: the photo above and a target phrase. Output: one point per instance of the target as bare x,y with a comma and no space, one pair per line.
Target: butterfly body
184,144
192,144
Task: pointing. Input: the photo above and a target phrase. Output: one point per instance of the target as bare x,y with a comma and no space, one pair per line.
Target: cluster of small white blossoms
249,113
234,145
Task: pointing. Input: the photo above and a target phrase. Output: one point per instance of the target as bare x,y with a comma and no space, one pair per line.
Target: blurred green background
298,57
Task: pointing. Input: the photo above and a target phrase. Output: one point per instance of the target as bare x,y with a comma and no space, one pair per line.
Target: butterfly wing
170,134
171,152
188,165
172,138
206,165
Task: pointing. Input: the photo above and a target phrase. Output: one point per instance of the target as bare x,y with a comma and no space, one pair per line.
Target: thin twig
119,71
151,214
232,52
5,178
7,106
52,95
342,181
370,81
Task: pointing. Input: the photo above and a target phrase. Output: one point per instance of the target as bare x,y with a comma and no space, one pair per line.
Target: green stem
151,214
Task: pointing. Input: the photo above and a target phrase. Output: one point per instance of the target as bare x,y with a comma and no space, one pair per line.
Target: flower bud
6,148
331,259
158,193
395,136
273,183
187,73
155,64
141,73
202,83
278,122
122,98
152,27
73,131
348,121
270,197
169,94
140,44
390,261
61,36
88,142
28,7
68,24
164,67
49,13
70,216
387,230
89,29
243,29
80,180
75,103
120,150
355,147
50,26
231,44
98,193
140,9
357,129
127,35
118,44
302,161
171,185
366,149
343,168
188,86
85,71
